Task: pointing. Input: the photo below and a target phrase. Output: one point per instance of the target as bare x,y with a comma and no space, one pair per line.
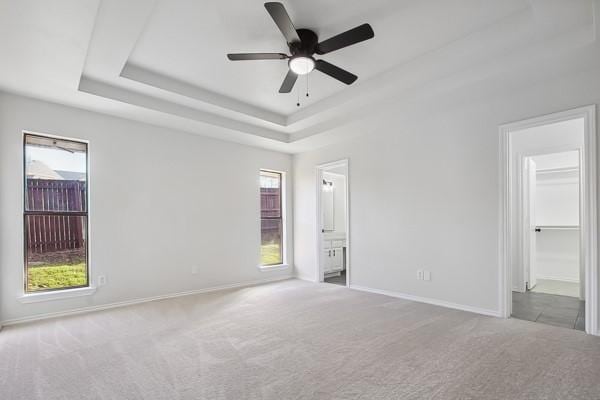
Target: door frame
588,209
319,242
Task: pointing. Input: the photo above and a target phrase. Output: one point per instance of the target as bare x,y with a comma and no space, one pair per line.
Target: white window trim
284,264
56,294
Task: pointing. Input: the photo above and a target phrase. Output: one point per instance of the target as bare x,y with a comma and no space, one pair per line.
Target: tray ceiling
187,40
164,62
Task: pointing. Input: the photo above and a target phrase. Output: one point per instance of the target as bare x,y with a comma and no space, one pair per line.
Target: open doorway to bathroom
332,192
548,236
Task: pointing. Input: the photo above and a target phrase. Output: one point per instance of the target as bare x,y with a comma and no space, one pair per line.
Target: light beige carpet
294,340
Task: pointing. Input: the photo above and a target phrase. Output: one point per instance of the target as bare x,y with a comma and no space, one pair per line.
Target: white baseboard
304,278
83,310
427,300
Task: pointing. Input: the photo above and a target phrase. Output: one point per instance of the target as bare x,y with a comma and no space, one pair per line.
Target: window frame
80,288
283,218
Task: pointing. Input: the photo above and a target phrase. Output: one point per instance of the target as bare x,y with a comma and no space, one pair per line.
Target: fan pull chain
307,85
298,92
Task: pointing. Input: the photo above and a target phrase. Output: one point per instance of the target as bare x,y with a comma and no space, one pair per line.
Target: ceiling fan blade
283,21
348,38
288,82
335,72
256,56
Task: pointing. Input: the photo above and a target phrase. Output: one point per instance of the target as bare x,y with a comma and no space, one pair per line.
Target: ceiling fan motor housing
307,45
301,62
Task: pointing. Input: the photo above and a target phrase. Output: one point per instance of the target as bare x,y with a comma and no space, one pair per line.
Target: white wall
424,189
161,202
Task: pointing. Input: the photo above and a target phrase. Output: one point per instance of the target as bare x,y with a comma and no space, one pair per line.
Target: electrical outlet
426,275
420,274
101,280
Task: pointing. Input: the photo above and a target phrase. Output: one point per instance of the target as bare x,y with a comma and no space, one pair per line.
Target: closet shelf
557,228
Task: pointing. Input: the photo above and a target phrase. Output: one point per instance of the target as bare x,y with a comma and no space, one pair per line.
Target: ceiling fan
303,44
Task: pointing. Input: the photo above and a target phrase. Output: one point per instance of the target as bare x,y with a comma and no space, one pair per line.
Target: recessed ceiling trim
388,87
102,89
145,76
117,28
306,121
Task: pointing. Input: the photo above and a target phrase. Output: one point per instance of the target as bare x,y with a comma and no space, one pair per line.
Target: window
271,218
55,214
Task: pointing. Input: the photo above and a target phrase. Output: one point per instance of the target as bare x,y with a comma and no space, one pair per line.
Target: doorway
548,231
552,290
333,223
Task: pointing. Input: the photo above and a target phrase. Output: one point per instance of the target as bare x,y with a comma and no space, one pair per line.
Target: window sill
275,267
56,295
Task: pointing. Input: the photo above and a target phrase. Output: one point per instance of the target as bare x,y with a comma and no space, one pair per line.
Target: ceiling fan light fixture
302,65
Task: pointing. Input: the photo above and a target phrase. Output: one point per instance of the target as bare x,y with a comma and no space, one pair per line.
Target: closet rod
539,228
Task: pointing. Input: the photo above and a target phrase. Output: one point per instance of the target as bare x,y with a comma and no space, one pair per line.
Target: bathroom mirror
327,206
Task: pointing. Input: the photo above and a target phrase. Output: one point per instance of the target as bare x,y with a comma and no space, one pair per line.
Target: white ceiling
163,61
